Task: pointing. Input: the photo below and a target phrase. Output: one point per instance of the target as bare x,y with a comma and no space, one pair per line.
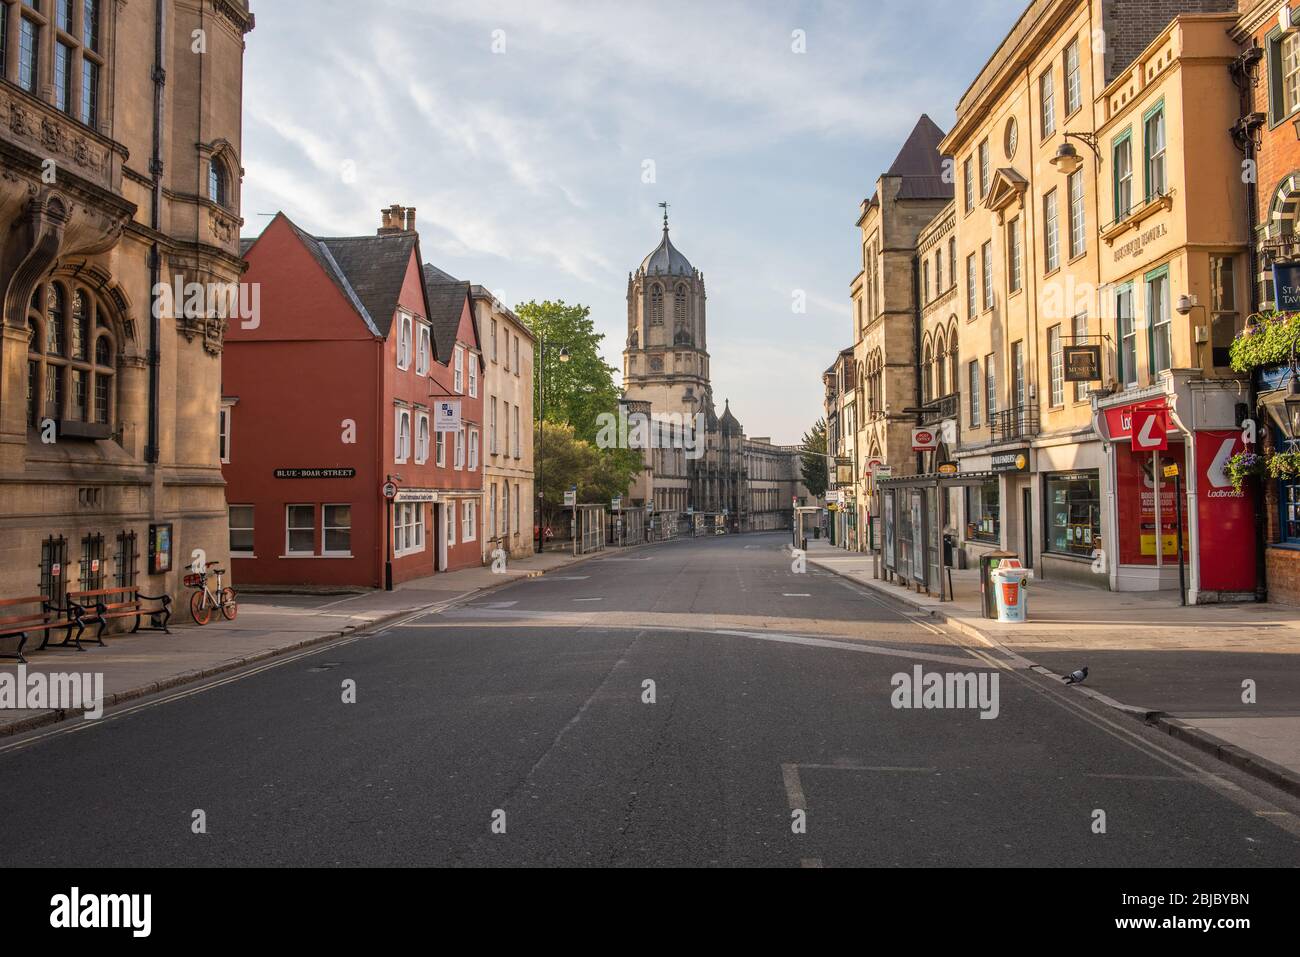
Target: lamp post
1067,159
542,345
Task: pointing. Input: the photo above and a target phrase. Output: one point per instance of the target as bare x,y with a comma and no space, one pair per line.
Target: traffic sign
390,490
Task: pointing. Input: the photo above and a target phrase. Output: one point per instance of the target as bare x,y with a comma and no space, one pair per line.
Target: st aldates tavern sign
1134,247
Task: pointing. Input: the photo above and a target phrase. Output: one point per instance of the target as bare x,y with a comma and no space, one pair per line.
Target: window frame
1077,75
986,265
975,383
458,370
1127,377
289,528
1078,215
1156,112
1051,231
1055,367
1122,145
251,528
1046,104
325,529
1157,323
1015,256
402,443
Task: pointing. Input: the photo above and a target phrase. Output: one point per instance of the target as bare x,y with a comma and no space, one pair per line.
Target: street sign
617,503
948,468
1150,430
924,440
570,497
446,416
1171,471
390,490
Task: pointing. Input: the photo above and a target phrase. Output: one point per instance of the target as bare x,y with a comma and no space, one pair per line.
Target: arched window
952,358
71,359
679,304
656,305
218,182
940,368
927,374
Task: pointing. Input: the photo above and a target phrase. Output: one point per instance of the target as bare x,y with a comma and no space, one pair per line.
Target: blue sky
526,162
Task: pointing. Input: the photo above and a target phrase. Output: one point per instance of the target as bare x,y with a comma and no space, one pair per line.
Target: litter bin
817,531
1011,585
989,561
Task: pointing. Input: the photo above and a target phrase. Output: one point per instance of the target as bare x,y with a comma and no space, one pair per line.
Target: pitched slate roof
375,267
447,298
920,164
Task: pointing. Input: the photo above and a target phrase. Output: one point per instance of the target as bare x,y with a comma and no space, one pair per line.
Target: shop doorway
1027,527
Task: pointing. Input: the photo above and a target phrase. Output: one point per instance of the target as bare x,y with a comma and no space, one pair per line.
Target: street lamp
542,345
1067,159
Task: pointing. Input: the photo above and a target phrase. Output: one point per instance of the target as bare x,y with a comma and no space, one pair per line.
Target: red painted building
334,391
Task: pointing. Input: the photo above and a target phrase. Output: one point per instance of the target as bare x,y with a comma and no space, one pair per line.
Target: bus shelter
912,512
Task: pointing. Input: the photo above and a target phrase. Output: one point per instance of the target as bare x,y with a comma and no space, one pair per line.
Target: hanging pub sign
446,416
1286,286
160,548
1082,363
948,468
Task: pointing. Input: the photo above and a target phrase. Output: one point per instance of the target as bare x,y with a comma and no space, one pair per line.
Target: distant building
666,366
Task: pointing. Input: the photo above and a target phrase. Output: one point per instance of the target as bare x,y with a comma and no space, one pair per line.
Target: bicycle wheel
229,604
200,610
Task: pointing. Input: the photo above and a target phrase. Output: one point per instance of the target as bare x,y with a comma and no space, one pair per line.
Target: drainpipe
152,451
916,346
1247,72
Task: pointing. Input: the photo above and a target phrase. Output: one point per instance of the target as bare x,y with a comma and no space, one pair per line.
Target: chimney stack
395,219
410,219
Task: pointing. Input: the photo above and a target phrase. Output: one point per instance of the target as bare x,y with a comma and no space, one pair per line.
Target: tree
580,389
813,465
569,461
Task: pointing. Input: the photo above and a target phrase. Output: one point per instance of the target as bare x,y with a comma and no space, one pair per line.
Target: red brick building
335,392
1268,72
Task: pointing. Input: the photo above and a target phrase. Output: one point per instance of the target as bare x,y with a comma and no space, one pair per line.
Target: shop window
241,531
408,528
1289,499
1073,525
983,518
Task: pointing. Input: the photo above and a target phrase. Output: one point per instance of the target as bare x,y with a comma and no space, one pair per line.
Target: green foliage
1284,465
1244,465
567,460
813,465
1265,341
576,391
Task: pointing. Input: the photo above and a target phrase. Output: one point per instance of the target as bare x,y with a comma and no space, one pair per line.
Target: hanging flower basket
1245,465
1283,465
1266,341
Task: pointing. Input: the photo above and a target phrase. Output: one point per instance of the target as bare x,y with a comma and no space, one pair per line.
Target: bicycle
204,599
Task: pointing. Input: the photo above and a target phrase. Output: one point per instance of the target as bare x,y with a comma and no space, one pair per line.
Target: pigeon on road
1075,677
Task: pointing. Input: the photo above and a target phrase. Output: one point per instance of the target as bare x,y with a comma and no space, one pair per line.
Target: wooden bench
42,617
103,605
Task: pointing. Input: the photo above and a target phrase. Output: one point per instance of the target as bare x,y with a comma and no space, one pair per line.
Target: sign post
1171,471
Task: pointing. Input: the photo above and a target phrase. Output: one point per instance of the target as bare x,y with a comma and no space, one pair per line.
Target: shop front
1175,519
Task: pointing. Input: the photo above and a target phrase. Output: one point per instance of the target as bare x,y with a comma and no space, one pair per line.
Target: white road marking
588,599
796,595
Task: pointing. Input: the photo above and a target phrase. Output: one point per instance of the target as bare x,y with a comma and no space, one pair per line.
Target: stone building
886,327
699,465
120,184
507,423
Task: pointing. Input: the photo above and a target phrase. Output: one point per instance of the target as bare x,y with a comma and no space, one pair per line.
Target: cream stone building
1073,194
885,320
121,175
507,424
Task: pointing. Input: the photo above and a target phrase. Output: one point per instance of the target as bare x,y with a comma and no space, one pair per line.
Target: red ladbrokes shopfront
1144,440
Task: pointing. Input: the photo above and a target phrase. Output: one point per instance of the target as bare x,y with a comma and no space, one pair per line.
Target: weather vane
664,207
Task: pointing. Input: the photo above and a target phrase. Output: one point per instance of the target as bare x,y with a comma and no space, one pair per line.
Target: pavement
1184,669
701,703
269,624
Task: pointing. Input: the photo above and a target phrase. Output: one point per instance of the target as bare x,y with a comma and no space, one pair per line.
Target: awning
940,479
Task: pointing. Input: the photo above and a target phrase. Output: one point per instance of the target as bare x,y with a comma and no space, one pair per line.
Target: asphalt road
528,707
